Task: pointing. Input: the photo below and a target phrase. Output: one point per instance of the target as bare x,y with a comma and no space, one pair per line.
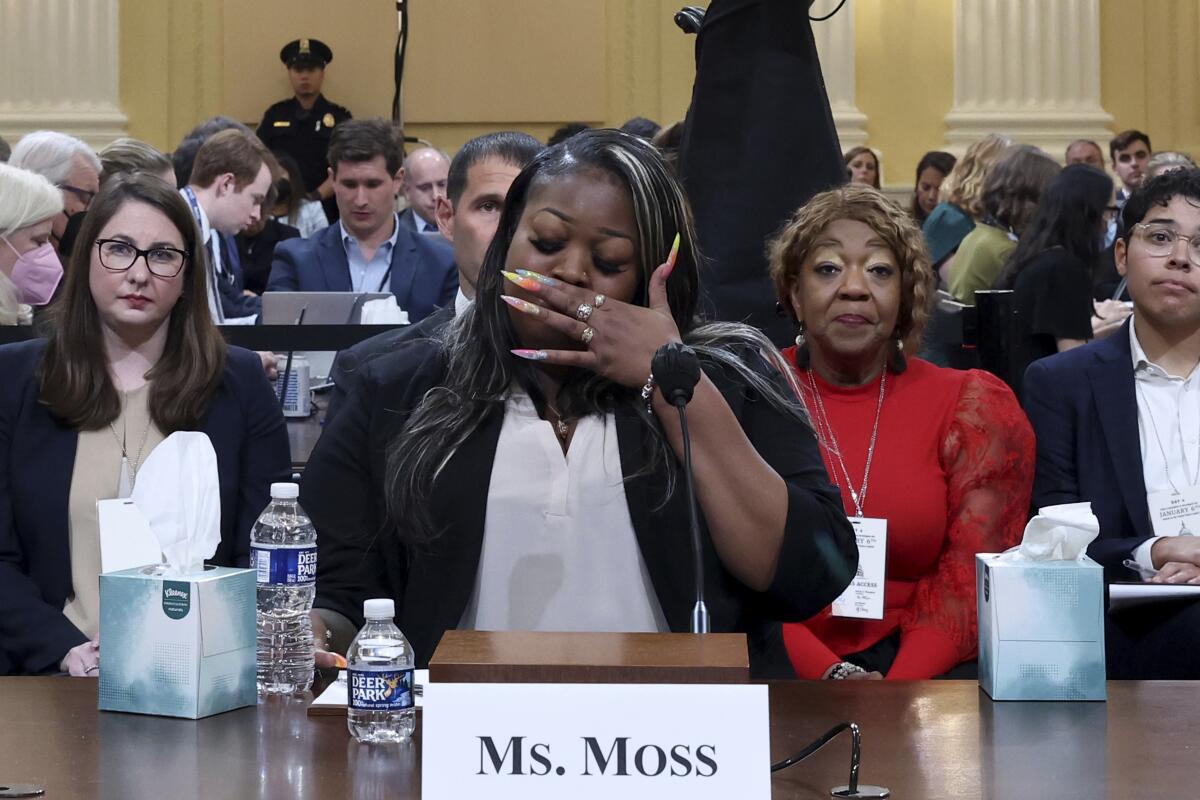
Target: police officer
302,125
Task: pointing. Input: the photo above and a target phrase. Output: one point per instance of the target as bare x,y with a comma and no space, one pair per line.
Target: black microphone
676,370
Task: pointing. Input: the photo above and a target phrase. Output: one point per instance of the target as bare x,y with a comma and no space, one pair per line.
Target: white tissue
1057,533
384,311
178,493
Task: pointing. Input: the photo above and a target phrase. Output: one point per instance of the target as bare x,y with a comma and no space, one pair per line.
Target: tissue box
1041,629
178,647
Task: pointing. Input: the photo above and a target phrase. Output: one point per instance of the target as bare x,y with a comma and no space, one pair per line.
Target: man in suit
368,250
1118,425
423,181
467,215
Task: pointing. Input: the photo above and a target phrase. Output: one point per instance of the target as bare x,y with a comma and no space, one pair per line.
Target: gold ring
587,335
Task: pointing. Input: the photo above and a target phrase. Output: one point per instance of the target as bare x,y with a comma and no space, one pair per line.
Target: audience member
1010,197
368,250
132,357
302,125
1085,151
668,141
947,454
566,132
1050,270
1167,160
30,269
932,170
5,151
68,163
185,154
1130,152
256,250
640,126
1118,426
291,207
228,186
862,166
125,156
480,174
961,203
423,181
437,467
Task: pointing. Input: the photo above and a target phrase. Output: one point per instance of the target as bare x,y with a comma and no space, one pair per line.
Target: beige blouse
96,477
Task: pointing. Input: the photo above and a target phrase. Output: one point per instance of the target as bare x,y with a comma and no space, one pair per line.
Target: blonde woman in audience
862,166
947,455
1010,197
961,202
29,266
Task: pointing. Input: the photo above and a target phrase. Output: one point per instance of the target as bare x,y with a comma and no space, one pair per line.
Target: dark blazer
1084,411
423,276
361,555
37,457
349,367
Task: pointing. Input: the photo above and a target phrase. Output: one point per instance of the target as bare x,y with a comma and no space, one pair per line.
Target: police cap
306,53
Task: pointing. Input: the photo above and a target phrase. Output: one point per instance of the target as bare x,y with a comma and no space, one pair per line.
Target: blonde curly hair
792,247
964,185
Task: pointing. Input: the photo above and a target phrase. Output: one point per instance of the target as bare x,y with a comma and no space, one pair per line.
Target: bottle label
381,690
285,566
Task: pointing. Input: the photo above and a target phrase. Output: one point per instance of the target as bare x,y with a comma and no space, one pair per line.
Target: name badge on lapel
863,598
1175,513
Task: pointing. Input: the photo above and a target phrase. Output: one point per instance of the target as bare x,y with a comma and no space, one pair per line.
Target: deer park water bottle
380,705
283,553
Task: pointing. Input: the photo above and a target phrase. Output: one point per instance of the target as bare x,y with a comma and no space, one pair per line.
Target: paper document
1130,595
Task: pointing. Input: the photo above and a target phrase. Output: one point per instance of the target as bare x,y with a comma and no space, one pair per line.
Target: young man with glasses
1118,425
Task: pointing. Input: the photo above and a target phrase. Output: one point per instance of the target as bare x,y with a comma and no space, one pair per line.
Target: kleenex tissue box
178,647
1041,629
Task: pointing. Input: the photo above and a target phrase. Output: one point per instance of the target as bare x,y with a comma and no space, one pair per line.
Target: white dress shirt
559,551
461,303
1168,431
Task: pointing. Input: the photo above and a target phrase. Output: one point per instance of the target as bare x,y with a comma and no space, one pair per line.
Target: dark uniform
304,135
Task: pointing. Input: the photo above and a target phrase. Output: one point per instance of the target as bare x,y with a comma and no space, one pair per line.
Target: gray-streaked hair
479,371
26,198
1167,160
127,155
51,154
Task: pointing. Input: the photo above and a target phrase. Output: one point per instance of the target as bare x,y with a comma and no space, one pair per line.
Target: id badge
1173,514
863,598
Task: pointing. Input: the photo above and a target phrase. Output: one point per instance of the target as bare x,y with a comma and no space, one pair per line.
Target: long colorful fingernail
545,280
521,305
530,355
674,254
339,661
524,282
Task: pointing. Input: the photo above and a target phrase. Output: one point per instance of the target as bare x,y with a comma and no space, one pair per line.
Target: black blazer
361,555
1084,411
37,457
423,276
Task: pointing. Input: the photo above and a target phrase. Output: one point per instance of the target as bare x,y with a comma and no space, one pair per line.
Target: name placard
532,741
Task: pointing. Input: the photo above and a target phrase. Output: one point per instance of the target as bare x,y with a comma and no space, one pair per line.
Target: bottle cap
285,491
380,608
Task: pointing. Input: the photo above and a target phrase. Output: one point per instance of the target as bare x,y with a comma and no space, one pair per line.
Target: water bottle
380,667
283,554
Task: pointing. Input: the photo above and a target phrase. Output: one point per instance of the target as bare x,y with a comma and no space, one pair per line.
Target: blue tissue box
177,647
1041,629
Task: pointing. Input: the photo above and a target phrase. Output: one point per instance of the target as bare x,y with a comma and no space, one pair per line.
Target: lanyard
828,437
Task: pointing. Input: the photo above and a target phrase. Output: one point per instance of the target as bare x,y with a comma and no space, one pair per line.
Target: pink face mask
36,274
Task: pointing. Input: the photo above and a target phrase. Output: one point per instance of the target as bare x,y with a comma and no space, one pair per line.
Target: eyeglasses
1159,241
84,195
119,256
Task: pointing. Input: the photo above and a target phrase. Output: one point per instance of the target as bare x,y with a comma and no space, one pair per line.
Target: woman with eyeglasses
29,267
132,356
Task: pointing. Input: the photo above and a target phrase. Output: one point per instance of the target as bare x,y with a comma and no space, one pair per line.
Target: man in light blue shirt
369,274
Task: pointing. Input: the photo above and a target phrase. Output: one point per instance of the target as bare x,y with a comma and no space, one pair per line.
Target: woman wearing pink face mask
29,267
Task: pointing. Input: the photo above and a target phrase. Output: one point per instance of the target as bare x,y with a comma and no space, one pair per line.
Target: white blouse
559,550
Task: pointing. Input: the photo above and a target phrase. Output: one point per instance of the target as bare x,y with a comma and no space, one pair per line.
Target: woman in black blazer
442,483
132,356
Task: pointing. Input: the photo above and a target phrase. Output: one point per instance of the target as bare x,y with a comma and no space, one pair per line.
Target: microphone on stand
676,370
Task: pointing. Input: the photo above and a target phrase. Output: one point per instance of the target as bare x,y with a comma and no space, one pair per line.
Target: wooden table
926,740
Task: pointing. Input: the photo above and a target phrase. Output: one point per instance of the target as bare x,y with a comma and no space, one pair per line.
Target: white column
59,69
1028,68
835,47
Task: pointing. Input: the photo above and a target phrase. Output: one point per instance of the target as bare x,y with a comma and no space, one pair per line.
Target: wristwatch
843,670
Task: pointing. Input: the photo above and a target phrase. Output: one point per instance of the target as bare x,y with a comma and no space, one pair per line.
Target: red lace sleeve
988,456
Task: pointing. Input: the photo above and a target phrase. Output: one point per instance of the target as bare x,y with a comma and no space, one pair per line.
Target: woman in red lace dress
941,459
